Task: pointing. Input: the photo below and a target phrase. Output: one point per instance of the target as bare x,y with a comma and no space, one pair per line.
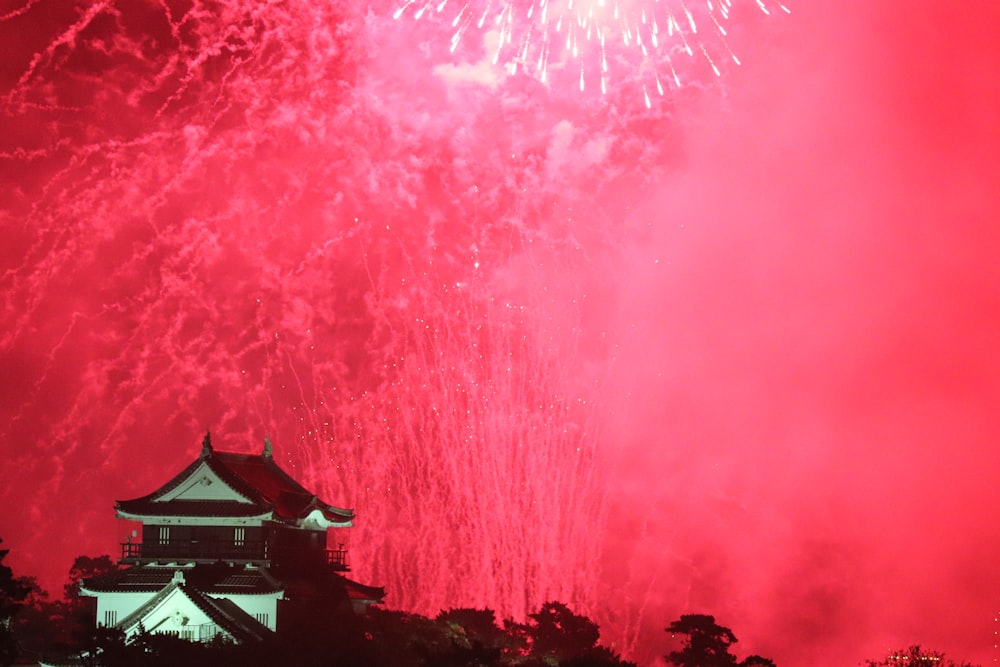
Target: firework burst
595,40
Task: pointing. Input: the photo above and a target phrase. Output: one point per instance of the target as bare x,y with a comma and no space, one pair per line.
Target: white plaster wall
122,604
203,484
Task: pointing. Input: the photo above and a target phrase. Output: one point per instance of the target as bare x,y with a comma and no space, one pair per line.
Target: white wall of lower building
112,608
175,615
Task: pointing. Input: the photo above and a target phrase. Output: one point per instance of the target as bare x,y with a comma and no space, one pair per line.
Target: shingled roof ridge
168,487
295,487
142,609
234,480
240,623
269,463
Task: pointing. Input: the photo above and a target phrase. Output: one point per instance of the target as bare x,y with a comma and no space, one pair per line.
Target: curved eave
346,514
368,598
322,518
137,516
224,592
363,592
89,592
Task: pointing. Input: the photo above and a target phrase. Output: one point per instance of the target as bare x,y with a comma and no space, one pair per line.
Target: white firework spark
642,37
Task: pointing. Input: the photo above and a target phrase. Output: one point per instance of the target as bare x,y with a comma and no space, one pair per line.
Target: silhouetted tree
556,631
404,639
757,661
707,644
915,656
474,624
99,646
477,629
85,567
40,623
80,612
317,631
599,656
471,638
13,592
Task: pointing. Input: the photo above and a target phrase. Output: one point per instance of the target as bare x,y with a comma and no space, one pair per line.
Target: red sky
729,355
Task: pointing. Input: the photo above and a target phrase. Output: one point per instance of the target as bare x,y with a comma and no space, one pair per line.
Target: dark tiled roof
202,508
214,579
261,476
247,582
137,580
356,591
228,615
260,480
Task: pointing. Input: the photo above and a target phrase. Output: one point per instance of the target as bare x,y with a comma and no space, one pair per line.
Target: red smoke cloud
731,355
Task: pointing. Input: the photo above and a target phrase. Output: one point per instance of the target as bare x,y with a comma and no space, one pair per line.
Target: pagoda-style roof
230,484
212,579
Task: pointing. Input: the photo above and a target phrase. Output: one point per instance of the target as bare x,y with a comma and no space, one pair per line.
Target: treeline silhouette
34,627
311,632
554,636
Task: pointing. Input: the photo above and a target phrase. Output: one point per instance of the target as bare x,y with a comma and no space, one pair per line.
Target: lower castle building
227,546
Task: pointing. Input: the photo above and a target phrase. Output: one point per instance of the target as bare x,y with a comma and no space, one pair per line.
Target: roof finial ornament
206,446
267,447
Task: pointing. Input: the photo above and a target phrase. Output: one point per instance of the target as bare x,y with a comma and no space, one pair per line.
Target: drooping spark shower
636,38
480,447
731,356
263,233
231,232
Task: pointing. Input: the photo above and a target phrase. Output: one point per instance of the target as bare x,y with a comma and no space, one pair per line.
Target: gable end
202,483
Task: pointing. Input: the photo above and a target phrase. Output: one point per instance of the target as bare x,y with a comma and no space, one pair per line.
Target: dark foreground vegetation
34,627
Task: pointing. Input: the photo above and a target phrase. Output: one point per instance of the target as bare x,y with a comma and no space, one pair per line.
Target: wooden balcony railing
130,551
194,550
337,559
136,552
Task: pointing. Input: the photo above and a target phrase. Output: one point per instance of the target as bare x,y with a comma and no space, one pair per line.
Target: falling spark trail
236,262
483,308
